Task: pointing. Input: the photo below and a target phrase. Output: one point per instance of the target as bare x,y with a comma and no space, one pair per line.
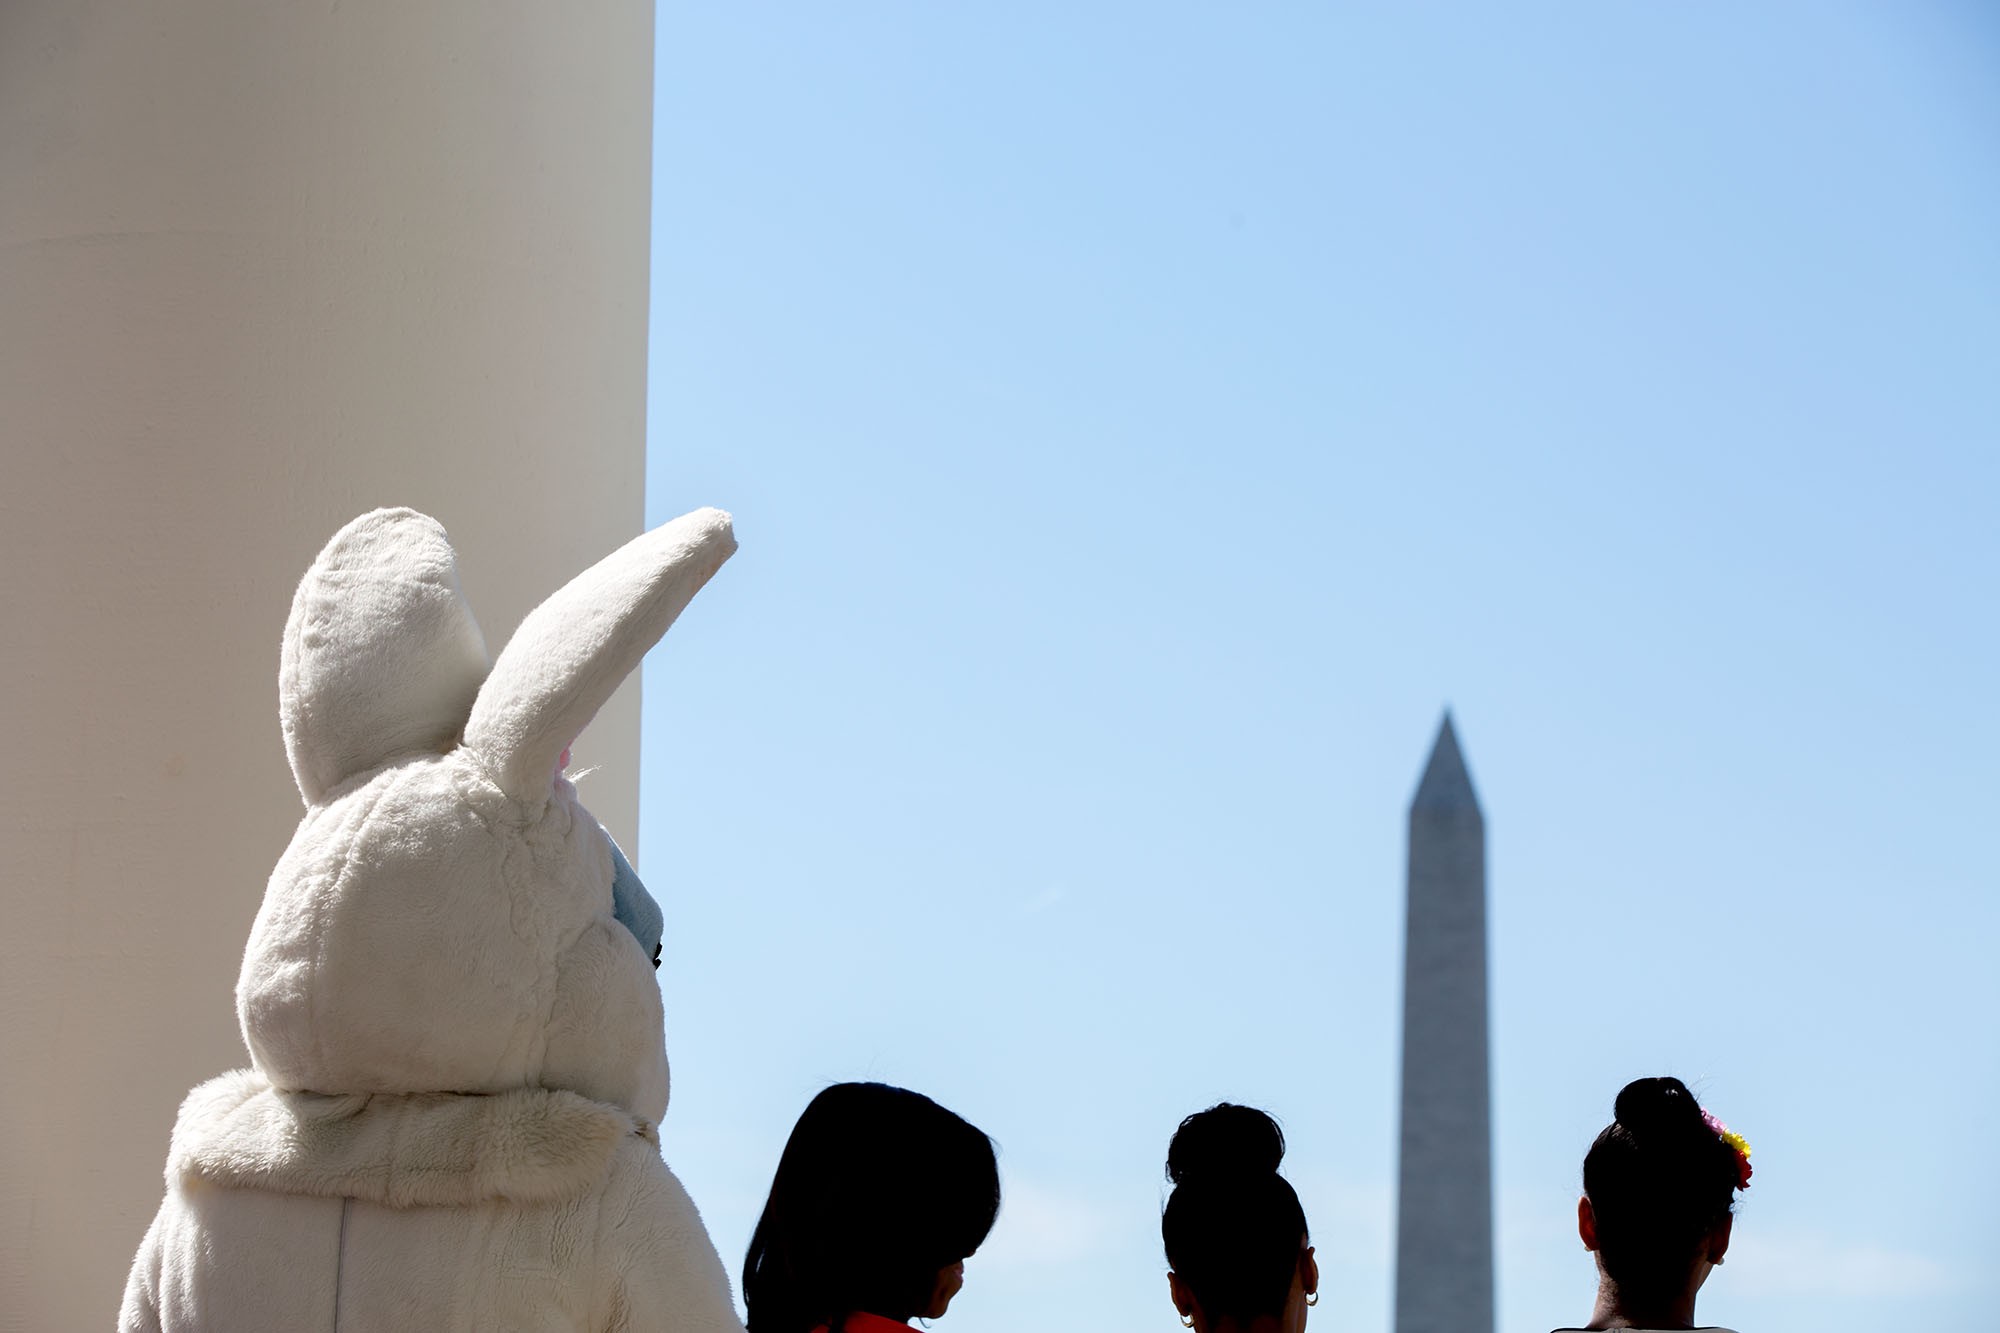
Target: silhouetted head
879,1198
1235,1233
1659,1185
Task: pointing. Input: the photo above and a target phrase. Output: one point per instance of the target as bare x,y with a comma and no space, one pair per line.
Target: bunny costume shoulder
448,995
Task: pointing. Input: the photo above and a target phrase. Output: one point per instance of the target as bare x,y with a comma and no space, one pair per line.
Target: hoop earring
1312,1298
1187,1321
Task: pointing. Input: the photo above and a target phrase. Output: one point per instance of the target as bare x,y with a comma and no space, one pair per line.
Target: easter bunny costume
448,995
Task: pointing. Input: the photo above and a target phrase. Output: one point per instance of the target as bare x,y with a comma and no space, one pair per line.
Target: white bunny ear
574,649
381,657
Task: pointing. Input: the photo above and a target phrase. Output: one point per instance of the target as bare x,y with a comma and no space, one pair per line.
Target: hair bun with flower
1736,1144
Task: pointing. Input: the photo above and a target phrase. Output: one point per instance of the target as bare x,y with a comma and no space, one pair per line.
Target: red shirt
869,1323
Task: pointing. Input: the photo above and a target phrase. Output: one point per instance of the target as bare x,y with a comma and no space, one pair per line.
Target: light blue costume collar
633,906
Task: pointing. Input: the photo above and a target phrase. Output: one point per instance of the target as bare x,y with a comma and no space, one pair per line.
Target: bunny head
448,917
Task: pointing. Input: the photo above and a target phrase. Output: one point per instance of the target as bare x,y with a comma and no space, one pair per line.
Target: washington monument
1444,1197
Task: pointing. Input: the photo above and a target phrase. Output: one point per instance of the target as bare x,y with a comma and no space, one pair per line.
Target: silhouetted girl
1659,1185
880,1197
1235,1233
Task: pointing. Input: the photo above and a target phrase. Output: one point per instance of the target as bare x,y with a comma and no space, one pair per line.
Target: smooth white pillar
262,267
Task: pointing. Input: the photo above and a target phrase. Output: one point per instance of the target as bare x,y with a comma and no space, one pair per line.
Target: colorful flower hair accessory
1737,1144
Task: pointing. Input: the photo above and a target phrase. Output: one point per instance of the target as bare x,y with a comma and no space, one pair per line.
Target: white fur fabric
531,1145
458,1047
529,1210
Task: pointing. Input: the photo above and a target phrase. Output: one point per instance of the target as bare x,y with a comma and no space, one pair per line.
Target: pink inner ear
563,762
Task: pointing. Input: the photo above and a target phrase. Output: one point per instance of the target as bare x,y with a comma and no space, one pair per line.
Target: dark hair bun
1225,1140
1660,1179
1658,1107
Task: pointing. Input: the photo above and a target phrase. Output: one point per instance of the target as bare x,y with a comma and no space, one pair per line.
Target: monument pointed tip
1446,784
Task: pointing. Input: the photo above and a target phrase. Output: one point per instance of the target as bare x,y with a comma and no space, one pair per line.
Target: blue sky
1142,421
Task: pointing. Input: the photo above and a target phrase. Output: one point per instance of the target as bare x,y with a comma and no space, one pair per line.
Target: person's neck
1263,1323
1617,1309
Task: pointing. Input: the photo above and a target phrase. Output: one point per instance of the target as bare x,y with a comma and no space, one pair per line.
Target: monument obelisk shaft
1444,1201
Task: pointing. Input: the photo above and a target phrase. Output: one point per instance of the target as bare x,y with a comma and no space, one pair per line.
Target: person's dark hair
1660,1180
1233,1226
878,1189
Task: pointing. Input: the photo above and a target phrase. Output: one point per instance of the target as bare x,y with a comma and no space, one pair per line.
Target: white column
262,267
